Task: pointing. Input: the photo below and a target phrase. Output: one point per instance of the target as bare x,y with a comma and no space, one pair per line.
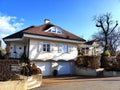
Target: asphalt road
89,84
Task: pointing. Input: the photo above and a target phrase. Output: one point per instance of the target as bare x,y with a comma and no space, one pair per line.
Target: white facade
63,68
45,68
94,49
35,51
56,59
16,49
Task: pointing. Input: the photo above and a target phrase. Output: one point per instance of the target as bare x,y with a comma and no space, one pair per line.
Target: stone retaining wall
5,69
13,85
111,73
25,83
88,71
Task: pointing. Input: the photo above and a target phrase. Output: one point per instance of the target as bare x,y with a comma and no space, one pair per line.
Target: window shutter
52,46
40,47
60,48
69,48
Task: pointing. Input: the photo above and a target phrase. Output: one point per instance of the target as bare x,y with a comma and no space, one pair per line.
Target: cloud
9,25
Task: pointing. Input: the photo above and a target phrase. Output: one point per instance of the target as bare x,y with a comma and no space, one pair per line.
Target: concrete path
112,83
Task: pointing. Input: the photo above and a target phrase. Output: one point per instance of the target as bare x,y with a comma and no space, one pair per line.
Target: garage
64,68
45,67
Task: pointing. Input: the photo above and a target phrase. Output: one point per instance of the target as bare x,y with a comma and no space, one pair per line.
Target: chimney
46,21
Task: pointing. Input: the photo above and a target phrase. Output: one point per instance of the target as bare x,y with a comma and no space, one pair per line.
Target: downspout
28,48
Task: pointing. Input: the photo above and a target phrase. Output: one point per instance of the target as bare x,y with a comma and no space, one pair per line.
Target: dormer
55,29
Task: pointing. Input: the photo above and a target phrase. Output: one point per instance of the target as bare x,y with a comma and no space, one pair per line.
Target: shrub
105,62
112,65
35,70
28,70
24,58
106,53
81,53
2,55
118,62
88,61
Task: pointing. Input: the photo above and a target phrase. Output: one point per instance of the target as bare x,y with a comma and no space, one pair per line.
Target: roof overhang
51,38
13,39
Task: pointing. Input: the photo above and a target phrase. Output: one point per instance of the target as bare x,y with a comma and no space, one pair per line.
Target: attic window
55,30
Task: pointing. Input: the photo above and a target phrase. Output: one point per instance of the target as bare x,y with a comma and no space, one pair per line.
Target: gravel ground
75,83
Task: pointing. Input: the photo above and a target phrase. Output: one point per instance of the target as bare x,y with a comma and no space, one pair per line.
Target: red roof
40,30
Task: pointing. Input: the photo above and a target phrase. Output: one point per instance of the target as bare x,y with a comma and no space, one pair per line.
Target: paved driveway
80,83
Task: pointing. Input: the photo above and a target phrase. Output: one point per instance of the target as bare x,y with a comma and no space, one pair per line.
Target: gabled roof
40,31
90,42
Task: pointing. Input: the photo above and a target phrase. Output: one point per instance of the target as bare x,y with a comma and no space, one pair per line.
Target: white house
92,47
49,46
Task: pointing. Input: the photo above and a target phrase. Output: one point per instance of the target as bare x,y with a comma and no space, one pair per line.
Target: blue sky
75,16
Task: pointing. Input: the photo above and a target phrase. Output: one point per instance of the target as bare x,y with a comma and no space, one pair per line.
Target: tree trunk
106,43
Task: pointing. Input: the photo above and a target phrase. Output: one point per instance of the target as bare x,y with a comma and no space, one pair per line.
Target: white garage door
64,68
45,67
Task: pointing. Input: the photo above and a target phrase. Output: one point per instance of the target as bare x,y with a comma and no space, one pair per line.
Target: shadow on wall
34,48
35,56
52,55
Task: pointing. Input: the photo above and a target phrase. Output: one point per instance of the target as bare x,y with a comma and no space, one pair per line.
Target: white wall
34,54
18,50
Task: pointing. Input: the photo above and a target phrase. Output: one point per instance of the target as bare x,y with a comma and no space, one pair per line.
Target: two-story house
91,47
49,46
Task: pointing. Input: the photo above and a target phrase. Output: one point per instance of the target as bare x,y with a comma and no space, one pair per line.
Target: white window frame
55,30
47,47
41,47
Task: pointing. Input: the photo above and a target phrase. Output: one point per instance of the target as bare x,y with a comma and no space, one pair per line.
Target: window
49,30
55,30
46,47
63,48
59,31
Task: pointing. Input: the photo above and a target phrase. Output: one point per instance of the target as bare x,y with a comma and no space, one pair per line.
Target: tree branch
113,28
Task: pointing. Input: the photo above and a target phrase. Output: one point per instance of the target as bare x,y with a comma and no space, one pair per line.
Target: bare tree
113,40
107,27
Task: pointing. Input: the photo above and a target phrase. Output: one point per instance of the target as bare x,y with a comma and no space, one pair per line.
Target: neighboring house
49,46
92,47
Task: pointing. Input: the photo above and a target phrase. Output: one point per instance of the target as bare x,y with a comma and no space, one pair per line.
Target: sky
75,16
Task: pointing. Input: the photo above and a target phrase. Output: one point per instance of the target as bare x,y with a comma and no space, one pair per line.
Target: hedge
88,61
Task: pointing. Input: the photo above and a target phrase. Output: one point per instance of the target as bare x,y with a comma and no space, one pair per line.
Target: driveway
80,83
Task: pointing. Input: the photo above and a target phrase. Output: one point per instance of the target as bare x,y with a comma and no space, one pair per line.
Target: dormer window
55,30
49,30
